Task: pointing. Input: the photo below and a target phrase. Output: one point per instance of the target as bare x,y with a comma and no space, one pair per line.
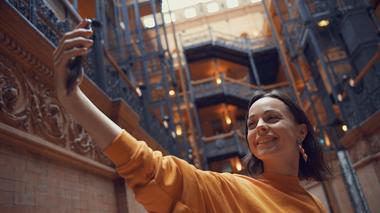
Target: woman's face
272,131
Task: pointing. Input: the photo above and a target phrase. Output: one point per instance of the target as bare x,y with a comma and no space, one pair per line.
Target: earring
302,151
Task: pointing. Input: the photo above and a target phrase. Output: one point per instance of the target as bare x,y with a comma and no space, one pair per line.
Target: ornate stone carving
16,49
14,101
28,103
80,142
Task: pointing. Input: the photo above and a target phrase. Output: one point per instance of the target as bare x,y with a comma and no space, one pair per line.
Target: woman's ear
302,131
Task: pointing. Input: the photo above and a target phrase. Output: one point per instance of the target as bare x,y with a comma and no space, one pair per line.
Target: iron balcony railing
230,87
230,41
228,144
39,14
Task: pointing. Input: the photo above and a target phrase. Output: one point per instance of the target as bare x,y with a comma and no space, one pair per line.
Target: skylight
148,22
232,3
212,7
190,12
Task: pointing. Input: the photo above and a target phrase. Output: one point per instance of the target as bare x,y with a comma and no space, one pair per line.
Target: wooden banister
220,136
122,75
375,58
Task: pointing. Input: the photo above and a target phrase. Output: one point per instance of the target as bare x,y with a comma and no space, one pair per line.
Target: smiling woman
281,138
169,184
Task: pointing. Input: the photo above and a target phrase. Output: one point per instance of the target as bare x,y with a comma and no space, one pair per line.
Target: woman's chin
265,153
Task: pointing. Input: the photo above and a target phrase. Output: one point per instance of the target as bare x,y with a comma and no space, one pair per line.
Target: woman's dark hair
315,167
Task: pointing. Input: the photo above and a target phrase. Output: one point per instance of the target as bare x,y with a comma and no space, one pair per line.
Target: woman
280,138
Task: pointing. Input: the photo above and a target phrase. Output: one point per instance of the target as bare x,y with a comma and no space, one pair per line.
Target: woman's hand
76,43
73,43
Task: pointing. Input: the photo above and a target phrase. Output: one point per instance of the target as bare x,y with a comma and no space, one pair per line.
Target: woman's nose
261,127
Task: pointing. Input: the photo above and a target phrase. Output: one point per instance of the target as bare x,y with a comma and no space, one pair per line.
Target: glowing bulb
228,120
122,26
323,23
351,82
218,80
178,130
344,128
238,166
171,92
327,141
340,97
173,134
138,91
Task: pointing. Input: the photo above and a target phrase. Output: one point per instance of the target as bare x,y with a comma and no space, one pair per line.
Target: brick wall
30,182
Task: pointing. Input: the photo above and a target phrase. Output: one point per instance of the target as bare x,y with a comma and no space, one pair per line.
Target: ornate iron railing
218,38
228,144
231,87
39,14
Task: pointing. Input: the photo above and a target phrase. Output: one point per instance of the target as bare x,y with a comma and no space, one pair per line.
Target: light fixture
178,130
344,128
148,22
351,82
327,140
122,26
138,91
228,120
173,134
171,92
238,166
165,121
323,23
218,80
340,97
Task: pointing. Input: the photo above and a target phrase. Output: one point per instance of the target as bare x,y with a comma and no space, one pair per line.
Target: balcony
218,89
210,37
41,16
225,145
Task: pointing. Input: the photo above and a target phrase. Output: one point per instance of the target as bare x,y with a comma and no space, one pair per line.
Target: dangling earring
302,151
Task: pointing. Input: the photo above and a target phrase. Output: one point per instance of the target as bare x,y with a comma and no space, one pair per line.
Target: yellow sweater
169,184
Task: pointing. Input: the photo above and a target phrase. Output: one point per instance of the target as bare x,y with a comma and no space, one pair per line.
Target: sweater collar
281,181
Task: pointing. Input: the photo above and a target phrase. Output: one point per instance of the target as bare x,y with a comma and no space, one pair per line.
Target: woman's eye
272,119
251,125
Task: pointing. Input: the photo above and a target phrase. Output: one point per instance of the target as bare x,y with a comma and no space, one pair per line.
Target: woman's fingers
82,32
74,43
78,35
78,42
83,23
66,55
79,31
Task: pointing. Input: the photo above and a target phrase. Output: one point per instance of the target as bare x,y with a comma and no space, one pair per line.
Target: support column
100,68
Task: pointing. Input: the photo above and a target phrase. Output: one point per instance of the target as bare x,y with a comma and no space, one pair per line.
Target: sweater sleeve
162,183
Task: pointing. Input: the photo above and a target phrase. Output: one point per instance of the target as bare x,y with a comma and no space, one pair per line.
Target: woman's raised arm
77,43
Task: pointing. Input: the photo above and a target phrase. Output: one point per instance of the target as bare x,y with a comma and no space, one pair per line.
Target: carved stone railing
27,96
29,109
228,144
45,20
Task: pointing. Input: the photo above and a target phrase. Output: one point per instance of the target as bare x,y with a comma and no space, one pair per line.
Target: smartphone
76,63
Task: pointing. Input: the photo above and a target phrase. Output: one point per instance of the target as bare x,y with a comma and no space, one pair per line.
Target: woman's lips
265,140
